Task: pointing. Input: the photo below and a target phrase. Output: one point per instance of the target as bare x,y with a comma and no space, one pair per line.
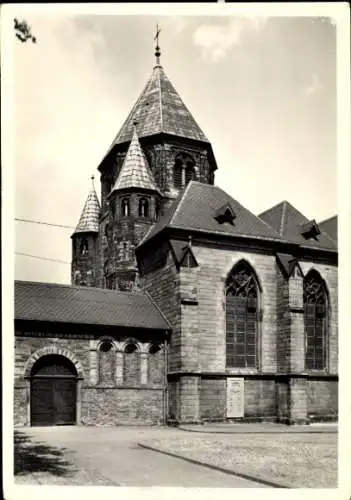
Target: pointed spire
157,48
135,172
89,219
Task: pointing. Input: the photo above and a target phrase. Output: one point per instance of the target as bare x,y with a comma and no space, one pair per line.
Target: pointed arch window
184,170
143,207
316,321
125,207
157,211
155,364
242,318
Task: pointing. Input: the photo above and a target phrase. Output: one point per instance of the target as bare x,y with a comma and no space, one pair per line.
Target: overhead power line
43,223
41,258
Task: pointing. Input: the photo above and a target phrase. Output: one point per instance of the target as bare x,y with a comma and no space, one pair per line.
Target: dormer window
143,207
225,214
125,207
310,230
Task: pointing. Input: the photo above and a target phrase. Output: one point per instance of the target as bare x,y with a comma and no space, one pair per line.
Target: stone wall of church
114,387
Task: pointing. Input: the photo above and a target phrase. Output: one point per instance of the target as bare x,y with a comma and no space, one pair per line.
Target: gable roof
135,172
84,305
288,221
89,219
159,109
196,209
330,226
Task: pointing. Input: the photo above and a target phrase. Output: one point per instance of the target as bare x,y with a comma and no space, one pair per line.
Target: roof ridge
181,200
282,220
160,92
80,287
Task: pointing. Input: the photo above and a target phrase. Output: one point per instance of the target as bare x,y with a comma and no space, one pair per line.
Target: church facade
184,306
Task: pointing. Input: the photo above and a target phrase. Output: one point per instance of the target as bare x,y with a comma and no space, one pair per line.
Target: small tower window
125,207
84,247
143,207
177,174
189,172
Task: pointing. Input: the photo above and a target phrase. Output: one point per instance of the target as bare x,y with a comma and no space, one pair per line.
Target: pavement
108,456
261,428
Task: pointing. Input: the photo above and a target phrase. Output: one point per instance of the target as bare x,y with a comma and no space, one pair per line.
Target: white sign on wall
235,397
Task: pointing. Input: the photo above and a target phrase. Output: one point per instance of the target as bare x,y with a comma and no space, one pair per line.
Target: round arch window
106,346
130,348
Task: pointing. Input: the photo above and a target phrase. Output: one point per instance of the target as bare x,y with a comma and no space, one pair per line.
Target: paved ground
108,456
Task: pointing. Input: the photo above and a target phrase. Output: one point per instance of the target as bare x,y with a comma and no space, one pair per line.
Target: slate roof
330,226
159,109
89,219
85,305
135,171
287,221
196,208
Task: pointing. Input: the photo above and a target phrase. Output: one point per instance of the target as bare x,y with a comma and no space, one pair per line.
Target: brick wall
108,379
260,398
113,406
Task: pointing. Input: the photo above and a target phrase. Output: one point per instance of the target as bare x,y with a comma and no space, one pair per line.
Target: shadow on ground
31,457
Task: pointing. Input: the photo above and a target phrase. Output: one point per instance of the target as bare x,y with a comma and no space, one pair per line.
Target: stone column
93,363
143,367
119,364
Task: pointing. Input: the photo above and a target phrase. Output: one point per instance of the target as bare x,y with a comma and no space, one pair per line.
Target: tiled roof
159,109
288,221
330,226
197,207
135,171
85,305
89,219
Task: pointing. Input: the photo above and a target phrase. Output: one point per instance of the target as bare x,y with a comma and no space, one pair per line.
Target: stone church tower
157,152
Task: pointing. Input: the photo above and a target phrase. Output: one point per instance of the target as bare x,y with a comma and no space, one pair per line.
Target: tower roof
89,219
135,172
159,109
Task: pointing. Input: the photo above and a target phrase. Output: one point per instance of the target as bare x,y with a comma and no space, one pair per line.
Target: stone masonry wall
105,395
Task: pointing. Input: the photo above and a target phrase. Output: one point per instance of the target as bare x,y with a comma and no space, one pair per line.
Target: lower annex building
184,306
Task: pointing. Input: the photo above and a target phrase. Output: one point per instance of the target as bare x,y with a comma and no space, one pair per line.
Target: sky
262,89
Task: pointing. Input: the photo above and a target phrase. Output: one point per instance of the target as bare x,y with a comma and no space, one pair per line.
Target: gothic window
242,318
84,247
177,173
143,207
125,207
315,319
106,362
131,365
155,364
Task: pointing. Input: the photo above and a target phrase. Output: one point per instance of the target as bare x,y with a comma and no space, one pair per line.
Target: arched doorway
53,391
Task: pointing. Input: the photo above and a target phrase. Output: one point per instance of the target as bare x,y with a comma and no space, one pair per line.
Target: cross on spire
157,48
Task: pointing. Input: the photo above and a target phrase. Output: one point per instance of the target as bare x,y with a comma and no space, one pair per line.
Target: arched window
242,317
177,173
84,248
143,207
125,207
316,321
106,362
131,365
155,364
189,172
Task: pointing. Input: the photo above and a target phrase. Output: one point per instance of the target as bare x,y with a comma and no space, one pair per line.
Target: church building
183,305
